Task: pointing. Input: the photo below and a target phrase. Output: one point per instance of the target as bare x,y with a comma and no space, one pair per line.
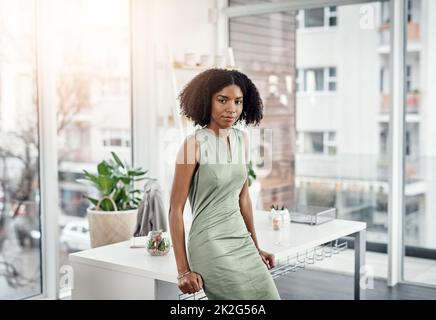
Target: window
410,142
20,233
299,80
407,145
331,79
317,79
385,17
316,143
408,78
314,18
332,16
317,18
419,148
381,82
384,127
249,38
330,142
92,42
116,138
314,80
409,10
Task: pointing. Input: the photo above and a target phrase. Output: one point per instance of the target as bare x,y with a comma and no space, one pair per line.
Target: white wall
185,26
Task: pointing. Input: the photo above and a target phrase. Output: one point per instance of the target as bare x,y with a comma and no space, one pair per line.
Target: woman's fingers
185,286
195,285
271,260
192,284
265,261
200,281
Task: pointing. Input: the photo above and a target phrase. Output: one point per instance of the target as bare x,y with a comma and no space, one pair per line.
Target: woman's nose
232,108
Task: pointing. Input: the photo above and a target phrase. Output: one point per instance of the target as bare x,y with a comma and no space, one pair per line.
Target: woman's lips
228,119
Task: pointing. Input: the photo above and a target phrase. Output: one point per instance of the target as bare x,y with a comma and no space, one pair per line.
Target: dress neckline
227,141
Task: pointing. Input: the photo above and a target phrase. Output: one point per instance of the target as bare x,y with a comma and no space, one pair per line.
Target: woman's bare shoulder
189,150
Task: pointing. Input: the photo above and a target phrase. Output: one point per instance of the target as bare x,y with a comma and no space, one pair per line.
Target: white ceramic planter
107,227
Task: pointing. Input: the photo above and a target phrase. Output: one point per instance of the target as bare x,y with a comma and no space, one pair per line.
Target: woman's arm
247,213
186,163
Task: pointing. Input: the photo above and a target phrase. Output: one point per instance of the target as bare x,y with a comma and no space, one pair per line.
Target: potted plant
112,216
253,185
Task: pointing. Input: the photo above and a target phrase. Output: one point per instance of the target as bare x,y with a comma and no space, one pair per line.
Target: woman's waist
219,227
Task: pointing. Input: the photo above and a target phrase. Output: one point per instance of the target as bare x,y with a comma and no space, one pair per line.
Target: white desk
119,272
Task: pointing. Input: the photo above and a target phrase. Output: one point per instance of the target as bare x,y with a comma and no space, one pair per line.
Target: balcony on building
412,107
413,37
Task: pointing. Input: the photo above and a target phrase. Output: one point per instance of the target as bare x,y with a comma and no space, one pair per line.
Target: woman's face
226,106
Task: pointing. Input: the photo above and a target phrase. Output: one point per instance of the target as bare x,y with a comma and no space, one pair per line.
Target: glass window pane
314,17
265,47
314,142
92,73
314,79
355,180
333,21
332,72
20,233
332,86
420,148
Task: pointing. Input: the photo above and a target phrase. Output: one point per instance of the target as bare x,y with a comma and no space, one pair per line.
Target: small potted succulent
112,216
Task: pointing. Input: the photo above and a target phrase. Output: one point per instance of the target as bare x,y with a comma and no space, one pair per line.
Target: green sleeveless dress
220,247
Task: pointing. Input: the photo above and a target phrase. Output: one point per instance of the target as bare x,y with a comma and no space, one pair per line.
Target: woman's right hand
191,283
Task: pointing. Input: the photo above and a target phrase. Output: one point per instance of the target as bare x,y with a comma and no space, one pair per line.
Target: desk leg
359,263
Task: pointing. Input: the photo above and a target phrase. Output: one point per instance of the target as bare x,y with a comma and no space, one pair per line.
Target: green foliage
115,182
251,173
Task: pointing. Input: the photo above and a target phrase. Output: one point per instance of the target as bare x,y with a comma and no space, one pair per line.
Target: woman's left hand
267,258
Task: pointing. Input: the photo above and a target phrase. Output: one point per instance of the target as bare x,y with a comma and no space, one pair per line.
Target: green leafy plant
115,182
251,173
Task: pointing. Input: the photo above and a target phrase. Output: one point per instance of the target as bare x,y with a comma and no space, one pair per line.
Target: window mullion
397,139
48,154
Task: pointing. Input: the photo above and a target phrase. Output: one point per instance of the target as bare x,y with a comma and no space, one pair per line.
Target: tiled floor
416,269
319,285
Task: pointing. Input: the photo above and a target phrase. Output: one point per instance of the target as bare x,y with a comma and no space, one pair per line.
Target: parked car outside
75,236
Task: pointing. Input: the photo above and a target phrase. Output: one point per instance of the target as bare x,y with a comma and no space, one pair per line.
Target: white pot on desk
107,227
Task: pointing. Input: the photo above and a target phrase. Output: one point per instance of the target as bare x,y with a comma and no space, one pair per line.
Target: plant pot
254,191
107,227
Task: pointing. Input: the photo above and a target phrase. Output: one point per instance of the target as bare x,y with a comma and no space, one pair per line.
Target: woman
224,257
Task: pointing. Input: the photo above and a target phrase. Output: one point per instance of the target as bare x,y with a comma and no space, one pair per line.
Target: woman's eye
221,101
239,102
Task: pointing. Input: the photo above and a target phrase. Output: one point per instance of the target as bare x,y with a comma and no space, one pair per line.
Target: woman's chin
226,125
